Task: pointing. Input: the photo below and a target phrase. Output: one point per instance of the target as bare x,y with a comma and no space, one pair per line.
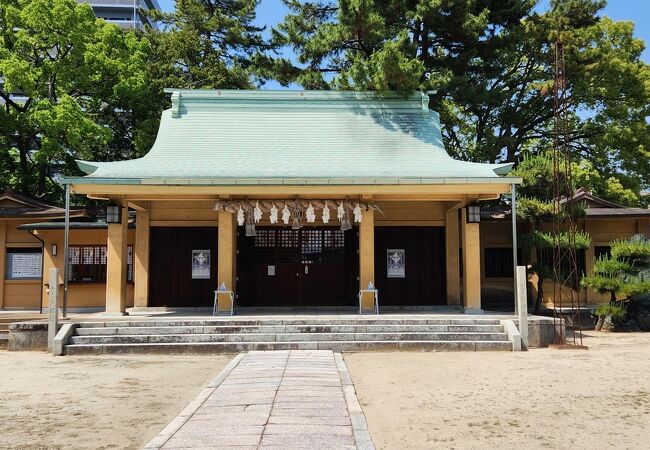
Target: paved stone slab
288,399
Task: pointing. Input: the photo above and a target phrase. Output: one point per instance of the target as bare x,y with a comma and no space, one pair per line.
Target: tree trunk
24,167
42,174
540,294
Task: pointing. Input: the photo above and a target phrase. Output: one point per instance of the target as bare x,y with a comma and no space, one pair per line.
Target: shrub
618,313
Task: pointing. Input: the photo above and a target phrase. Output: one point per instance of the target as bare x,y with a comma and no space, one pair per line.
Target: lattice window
311,248
265,238
333,247
265,246
87,263
287,251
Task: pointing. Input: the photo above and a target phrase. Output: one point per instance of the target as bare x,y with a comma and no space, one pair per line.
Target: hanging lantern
473,213
250,225
113,214
274,214
345,222
326,213
257,212
286,214
240,216
357,213
340,211
296,219
310,214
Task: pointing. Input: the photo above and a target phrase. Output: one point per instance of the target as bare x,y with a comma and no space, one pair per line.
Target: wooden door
425,269
323,267
171,281
299,268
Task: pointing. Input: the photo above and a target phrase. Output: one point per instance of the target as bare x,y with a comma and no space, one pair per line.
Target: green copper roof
294,137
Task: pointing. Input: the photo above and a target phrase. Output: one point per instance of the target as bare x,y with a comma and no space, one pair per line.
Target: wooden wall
602,232
18,294
80,295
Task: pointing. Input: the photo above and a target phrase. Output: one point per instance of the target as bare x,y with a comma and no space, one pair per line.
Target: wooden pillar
452,249
116,266
367,249
3,258
141,260
367,259
471,264
226,257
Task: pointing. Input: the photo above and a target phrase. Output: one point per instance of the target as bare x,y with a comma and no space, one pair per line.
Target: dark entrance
313,266
425,267
171,279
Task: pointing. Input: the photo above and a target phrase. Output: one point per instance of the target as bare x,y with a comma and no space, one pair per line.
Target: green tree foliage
72,87
208,44
537,173
626,272
490,65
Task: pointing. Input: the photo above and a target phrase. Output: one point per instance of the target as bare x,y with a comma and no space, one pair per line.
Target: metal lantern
473,213
113,214
295,225
250,225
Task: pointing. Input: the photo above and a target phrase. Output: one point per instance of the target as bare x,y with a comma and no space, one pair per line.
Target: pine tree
489,66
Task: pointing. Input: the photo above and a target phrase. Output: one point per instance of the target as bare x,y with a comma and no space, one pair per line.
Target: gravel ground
597,398
97,402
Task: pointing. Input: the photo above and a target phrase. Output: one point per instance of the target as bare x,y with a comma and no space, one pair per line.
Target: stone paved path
294,399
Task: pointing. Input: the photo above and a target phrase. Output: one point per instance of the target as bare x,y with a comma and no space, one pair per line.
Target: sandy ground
95,402
598,398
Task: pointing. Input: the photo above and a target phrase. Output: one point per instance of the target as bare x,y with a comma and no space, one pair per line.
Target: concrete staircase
230,335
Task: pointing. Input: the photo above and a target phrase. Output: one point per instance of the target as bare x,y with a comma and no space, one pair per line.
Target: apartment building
125,13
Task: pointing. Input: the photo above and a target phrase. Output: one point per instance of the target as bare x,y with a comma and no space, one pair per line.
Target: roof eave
289,181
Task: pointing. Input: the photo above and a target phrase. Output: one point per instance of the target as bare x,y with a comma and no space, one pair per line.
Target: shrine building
289,199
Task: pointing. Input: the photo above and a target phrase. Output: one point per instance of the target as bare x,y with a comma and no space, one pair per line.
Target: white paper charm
274,214
257,213
326,213
286,214
357,213
340,211
310,214
240,216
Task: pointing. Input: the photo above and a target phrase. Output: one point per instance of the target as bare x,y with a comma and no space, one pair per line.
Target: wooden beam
139,206
142,192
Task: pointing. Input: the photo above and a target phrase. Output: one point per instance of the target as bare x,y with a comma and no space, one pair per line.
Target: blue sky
270,12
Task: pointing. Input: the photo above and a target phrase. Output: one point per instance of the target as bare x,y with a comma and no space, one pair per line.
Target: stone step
285,337
338,346
4,339
362,320
316,328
